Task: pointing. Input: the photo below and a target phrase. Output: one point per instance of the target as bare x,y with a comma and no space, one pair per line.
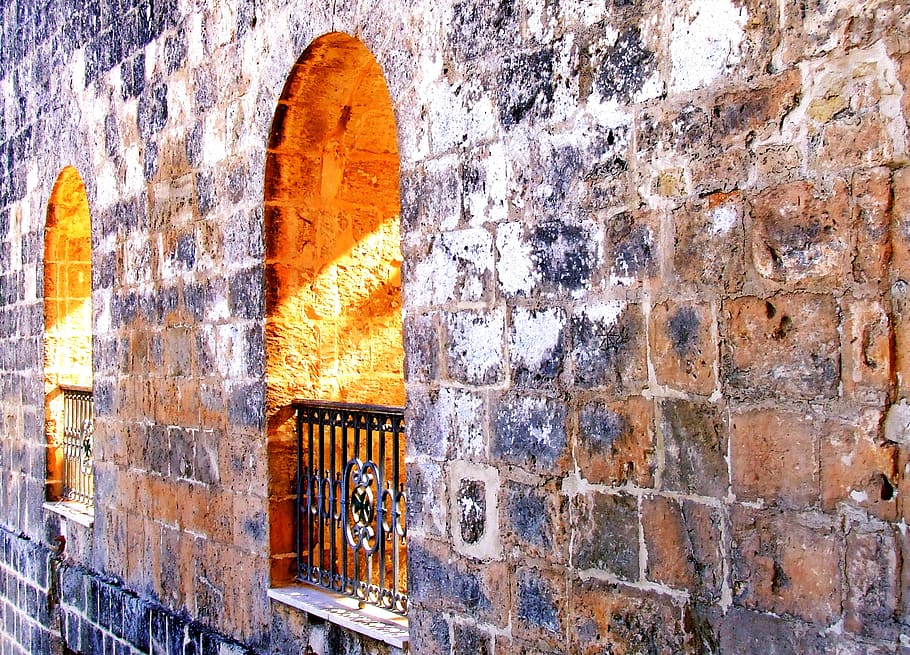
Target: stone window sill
345,612
76,512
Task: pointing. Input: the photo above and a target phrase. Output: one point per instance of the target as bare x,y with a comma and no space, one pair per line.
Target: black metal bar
355,488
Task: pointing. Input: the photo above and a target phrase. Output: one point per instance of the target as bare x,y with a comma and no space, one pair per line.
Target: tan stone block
802,237
773,455
609,618
786,345
683,541
745,113
722,172
709,242
860,140
866,350
872,216
858,467
873,582
786,563
683,347
615,442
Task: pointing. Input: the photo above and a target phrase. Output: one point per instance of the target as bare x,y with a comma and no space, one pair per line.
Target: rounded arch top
68,208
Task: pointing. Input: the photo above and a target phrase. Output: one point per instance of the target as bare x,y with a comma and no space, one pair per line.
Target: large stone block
615,442
786,563
605,534
474,346
609,344
684,545
785,345
683,348
695,439
530,431
773,457
709,241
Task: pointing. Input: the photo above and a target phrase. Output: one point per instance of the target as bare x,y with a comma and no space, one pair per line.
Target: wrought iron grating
78,442
350,527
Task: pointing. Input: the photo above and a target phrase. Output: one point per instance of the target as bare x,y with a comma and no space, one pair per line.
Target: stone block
872,583
474,508
632,238
534,521
695,439
530,431
773,457
802,237
872,216
565,254
471,639
785,345
854,141
684,546
860,466
709,241
605,529
786,564
474,346
539,607
758,111
866,350
421,347
609,344
610,618
683,348
615,442
536,345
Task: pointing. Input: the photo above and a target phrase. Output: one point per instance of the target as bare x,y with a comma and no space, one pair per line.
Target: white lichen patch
489,204
515,270
723,219
705,42
535,336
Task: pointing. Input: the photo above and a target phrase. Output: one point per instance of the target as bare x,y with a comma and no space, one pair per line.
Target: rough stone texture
654,296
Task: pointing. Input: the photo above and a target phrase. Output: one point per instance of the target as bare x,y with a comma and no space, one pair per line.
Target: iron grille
78,441
350,532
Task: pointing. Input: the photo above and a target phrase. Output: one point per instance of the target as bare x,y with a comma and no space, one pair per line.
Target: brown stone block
281,525
610,346
802,237
858,467
695,442
786,345
873,583
633,238
872,217
292,177
742,114
610,618
866,351
250,523
683,347
722,172
774,457
900,224
534,521
777,164
683,541
785,563
858,140
709,242
615,442
605,534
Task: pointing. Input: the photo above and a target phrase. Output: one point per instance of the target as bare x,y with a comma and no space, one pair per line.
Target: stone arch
67,329
332,255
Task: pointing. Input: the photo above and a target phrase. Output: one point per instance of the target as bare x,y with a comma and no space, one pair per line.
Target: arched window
334,348
68,342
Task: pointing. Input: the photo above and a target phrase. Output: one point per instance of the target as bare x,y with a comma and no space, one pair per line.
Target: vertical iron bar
298,504
336,419
393,522
321,476
380,513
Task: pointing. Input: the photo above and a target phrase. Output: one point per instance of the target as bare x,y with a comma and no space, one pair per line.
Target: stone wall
655,321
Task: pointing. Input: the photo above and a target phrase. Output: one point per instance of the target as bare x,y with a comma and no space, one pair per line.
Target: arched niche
333,260
68,340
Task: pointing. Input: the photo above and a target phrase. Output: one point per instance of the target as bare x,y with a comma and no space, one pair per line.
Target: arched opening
333,293
68,341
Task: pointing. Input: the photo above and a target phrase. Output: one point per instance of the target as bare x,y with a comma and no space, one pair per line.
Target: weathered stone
784,345
683,352
802,237
530,431
474,347
606,536
773,457
537,604
872,583
783,563
695,441
683,541
709,242
615,443
609,347
536,345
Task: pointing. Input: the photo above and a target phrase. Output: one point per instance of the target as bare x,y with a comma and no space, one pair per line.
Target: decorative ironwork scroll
350,530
